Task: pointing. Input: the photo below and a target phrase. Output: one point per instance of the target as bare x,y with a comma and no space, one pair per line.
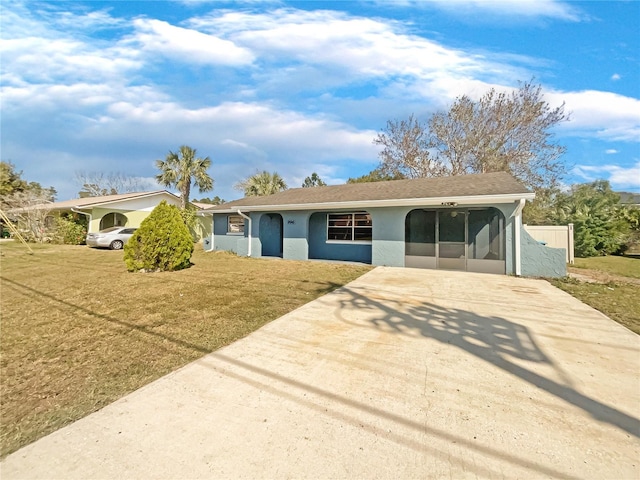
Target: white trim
395,202
87,214
137,197
351,242
91,202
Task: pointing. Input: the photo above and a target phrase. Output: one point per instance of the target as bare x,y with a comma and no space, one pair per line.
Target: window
235,224
349,227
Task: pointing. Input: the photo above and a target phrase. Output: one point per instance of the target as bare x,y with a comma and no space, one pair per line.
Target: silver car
113,238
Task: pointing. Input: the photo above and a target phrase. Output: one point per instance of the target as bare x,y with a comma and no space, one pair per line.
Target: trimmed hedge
162,243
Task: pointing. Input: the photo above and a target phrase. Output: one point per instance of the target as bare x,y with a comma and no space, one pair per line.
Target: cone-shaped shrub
162,243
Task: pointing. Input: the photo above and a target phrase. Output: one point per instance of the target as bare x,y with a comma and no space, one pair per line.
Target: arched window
113,219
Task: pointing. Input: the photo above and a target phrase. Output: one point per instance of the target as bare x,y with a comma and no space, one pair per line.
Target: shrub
594,211
162,243
70,231
188,215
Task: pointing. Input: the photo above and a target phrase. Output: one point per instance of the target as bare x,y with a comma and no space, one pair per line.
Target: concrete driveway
401,374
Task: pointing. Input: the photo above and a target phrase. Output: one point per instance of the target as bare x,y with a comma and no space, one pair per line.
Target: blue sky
300,87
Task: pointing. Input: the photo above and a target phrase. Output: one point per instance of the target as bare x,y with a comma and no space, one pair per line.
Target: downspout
248,218
83,213
517,214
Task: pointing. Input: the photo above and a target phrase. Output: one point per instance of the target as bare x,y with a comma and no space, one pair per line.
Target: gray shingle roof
498,183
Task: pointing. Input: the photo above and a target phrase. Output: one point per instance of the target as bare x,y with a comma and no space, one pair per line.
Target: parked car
113,238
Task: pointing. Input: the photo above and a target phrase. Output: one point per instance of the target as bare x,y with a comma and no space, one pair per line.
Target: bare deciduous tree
31,210
406,151
96,184
499,132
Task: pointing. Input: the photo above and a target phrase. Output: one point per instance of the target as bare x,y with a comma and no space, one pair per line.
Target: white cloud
34,59
239,137
513,8
243,126
619,177
611,151
320,50
609,115
288,99
41,47
615,77
188,45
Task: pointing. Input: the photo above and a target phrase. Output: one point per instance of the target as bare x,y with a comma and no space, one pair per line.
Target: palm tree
181,169
262,183
313,181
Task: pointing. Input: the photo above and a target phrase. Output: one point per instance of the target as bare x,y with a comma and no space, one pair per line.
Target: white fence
556,236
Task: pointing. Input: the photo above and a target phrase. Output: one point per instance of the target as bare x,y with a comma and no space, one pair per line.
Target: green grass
617,300
78,331
614,288
623,266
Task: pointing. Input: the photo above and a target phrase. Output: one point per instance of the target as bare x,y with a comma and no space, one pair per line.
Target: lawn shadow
492,339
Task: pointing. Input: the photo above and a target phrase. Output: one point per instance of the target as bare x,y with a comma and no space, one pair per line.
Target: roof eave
396,202
111,202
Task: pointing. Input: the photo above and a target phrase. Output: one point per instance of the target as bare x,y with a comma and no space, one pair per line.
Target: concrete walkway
401,374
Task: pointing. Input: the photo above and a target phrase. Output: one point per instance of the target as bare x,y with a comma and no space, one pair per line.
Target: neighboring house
121,210
631,199
126,209
469,222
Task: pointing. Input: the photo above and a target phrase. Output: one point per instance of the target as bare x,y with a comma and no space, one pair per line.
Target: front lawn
79,331
624,266
609,284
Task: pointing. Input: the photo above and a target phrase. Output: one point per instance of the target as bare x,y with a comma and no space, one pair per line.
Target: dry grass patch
609,284
79,331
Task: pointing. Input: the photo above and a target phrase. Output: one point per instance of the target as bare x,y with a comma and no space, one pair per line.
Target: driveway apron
402,373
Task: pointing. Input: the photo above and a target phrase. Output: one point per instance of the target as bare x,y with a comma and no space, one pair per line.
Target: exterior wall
295,228
509,236
304,237
134,217
388,235
221,240
319,248
136,210
202,228
541,261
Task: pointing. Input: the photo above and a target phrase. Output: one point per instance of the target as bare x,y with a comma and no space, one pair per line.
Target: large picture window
349,227
235,224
